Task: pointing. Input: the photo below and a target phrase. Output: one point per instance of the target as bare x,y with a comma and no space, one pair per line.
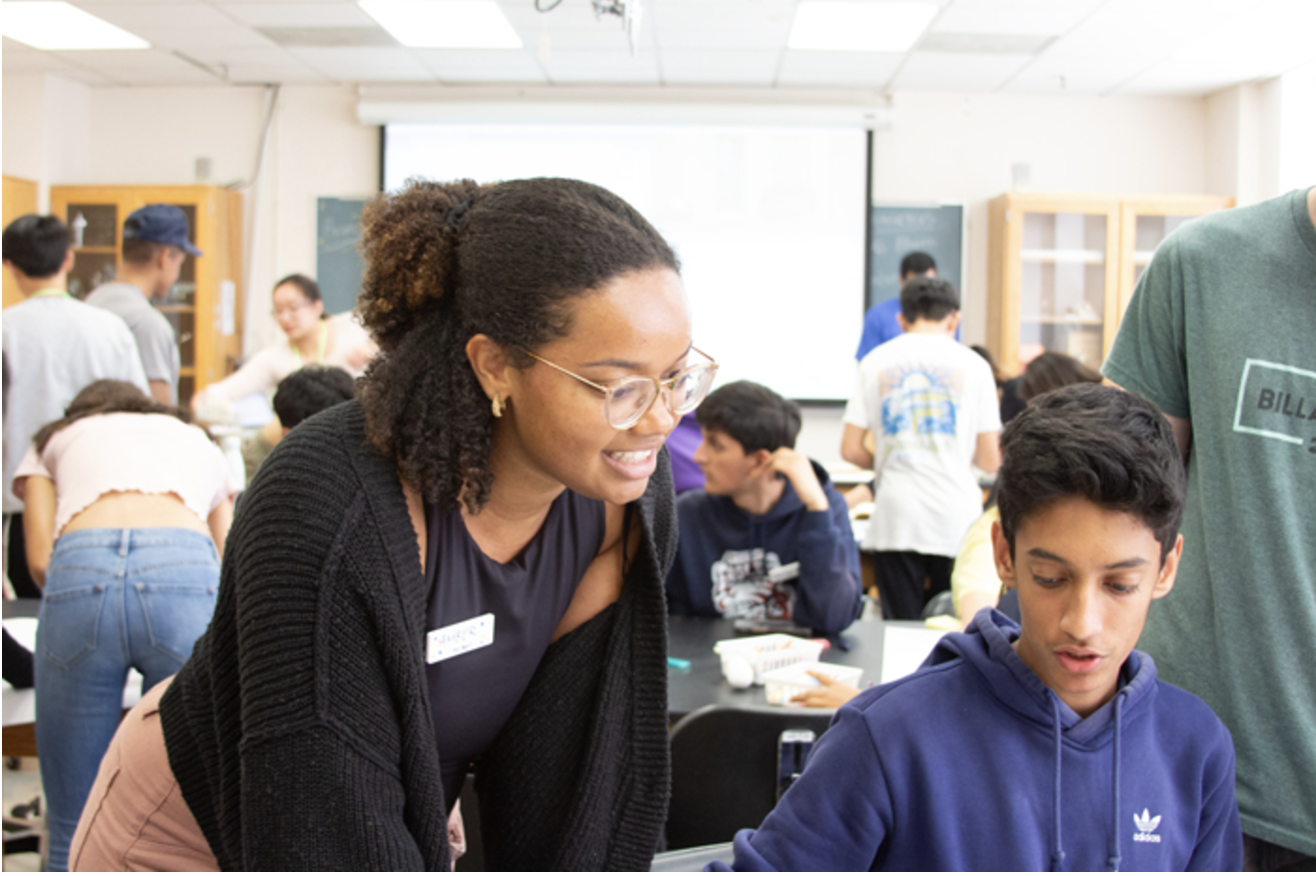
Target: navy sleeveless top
473,692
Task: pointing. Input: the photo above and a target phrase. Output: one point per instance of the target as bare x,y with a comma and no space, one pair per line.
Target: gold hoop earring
498,405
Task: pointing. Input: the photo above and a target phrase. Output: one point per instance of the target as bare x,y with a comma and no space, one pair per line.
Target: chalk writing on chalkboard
896,230
338,265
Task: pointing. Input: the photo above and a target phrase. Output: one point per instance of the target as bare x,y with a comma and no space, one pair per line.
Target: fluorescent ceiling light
444,24
60,26
832,26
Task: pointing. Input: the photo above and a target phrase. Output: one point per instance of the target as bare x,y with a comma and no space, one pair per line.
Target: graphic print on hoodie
746,584
789,563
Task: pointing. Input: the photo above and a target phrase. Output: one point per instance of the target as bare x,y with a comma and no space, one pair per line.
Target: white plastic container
766,653
782,684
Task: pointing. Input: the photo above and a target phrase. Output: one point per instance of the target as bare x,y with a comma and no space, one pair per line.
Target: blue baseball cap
159,223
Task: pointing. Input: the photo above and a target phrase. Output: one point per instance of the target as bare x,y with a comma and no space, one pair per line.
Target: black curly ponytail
447,261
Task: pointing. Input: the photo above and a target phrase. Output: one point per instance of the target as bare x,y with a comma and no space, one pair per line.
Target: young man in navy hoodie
1048,745
764,507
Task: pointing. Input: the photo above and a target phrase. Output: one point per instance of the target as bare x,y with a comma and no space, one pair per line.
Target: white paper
905,648
228,307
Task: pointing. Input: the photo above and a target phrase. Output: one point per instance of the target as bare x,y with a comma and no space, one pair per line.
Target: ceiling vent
985,43
328,37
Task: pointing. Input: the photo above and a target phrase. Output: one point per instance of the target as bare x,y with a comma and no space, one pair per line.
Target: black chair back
724,769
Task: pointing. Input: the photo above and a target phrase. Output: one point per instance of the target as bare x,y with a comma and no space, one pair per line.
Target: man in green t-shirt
1221,333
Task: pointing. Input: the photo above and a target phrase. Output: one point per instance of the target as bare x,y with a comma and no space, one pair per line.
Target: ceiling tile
734,25
1065,75
149,67
145,59
839,69
233,37
365,65
720,68
255,74
1042,17
957,71
140,17
596,67
572,27
474,65
311,14
1139,29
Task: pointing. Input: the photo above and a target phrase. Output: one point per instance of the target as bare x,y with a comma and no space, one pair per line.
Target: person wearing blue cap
156,240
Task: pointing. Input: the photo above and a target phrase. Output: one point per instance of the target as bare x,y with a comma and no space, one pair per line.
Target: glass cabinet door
1062,293
95,229
1148,232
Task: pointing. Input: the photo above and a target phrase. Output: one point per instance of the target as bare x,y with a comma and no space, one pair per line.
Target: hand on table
831,694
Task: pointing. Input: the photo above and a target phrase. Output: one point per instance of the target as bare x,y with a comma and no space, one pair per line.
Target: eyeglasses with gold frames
626,401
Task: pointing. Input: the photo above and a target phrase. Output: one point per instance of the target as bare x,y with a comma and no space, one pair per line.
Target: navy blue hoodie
725,555
972,763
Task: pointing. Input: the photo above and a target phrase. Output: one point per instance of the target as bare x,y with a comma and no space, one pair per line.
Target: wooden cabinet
204,306
1063,268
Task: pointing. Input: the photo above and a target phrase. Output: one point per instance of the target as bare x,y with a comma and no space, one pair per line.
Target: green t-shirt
1221,331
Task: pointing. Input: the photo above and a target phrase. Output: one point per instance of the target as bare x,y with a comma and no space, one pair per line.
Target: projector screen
768,223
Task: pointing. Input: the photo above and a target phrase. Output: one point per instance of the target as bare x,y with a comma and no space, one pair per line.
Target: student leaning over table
127,510
1083,759
502,463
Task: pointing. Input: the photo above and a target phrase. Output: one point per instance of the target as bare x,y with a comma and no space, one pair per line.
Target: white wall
47,129
60,132
315,148
1297,129
952,147
960,147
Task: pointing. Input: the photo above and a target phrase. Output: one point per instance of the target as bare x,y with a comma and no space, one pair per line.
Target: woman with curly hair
127,509
462,568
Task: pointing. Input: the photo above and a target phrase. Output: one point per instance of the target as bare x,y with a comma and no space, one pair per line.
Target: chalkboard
338,265
895,230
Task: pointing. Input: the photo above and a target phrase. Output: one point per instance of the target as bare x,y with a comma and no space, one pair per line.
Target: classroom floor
22,784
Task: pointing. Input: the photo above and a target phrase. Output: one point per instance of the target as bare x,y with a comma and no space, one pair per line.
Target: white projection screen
768,222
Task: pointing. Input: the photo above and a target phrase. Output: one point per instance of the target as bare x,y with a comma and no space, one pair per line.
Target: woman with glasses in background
462,569
312,338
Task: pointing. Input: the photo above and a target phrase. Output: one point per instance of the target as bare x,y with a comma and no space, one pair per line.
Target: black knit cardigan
300,730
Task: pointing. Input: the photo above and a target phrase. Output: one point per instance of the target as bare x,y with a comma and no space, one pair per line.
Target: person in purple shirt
681,446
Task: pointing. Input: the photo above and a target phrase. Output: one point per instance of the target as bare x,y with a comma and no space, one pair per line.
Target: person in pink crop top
127,507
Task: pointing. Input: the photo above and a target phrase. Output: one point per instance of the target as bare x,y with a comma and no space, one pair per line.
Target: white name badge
459,638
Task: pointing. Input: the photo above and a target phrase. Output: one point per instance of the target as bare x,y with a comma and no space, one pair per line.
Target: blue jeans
114,599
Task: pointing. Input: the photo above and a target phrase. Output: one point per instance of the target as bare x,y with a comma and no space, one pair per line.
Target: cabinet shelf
1064,256
1081,321
1072,252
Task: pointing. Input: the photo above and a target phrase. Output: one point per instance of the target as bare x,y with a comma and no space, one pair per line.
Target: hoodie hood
987,644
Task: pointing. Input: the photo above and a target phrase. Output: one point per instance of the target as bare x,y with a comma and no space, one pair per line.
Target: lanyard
319,356
51,293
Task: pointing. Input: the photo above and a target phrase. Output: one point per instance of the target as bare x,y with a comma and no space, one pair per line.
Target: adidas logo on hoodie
1146,824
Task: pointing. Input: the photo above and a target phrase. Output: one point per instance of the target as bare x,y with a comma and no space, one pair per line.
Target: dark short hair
928,298
308,391
916,263
37,245
142,252
754,415
1111,447
1050,371
447,261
